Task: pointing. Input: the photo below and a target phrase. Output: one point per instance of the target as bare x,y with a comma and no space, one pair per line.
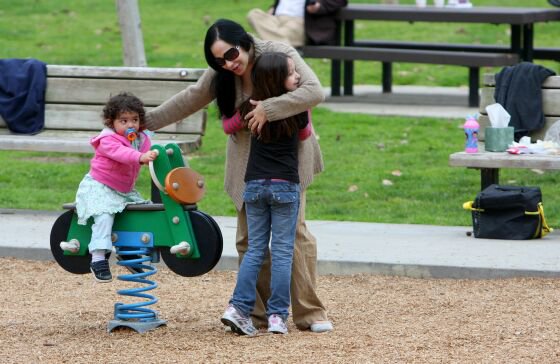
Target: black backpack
508,212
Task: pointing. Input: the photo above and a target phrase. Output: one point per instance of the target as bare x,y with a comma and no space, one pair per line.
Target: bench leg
349,65
349,78
474,75
516,39
527,43
335,78
489,176
386,77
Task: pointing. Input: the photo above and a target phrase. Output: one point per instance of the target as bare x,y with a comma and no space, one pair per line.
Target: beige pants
306,306
287,29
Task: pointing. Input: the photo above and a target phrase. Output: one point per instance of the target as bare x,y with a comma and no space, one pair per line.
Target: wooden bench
398,53
489,163
75,97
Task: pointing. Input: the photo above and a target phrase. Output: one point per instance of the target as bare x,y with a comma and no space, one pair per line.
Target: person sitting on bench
298,22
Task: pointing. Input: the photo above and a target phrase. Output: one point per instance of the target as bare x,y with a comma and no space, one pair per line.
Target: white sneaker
277,325
239,323
321,326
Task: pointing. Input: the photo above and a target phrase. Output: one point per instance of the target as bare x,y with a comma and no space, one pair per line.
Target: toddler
109,186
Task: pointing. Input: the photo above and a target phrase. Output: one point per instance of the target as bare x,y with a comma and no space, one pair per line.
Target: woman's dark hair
224,82
269,75
123,102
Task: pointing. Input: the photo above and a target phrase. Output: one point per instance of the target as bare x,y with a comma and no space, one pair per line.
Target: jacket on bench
22,94
518,90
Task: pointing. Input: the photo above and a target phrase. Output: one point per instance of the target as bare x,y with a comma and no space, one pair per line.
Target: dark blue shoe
101,271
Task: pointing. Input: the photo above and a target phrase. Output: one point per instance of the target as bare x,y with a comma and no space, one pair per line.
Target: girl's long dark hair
224,82
269,74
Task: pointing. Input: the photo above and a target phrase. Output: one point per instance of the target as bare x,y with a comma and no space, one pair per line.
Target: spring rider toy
189,241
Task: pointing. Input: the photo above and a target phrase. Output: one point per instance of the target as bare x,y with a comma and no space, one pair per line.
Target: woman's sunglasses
230,55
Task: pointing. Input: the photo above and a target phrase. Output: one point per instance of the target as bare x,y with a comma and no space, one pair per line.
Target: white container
421,3
439,3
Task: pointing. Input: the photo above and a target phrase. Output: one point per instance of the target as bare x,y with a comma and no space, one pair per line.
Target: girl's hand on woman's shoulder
256,118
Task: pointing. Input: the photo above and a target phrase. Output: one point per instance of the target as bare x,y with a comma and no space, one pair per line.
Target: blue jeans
272,210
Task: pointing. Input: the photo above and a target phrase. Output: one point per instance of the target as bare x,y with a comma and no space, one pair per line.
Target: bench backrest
75,95
550,99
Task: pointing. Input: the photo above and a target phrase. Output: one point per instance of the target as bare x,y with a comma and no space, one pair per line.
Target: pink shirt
234,124
115,163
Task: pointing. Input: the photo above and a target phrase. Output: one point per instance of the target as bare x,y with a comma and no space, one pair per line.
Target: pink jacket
115,163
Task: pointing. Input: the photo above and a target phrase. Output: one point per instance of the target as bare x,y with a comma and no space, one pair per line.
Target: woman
230,52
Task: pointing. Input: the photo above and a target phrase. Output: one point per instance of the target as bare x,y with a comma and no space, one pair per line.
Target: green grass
360,151
87,33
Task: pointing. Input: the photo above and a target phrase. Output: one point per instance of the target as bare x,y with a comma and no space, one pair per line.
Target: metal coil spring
136,311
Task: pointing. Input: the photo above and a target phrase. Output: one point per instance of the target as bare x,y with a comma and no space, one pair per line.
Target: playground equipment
189,241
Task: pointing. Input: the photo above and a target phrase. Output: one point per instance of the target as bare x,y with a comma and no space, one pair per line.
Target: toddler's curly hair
123,102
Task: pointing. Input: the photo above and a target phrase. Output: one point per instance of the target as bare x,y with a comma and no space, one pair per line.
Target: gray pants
101,232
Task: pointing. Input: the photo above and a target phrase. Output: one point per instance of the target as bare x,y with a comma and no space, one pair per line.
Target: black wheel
217,227
210,245
77,264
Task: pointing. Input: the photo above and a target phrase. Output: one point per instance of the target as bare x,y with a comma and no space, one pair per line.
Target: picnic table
351,48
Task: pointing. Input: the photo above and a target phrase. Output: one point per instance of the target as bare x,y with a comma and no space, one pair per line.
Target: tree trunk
131,32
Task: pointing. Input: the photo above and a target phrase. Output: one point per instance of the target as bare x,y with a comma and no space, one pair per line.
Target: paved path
418,101
351,247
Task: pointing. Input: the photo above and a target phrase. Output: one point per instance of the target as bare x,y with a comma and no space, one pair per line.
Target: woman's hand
256,118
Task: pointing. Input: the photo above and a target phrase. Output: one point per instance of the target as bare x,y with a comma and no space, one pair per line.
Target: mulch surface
51,316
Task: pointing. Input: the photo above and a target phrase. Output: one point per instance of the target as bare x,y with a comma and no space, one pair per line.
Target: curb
348,248
325,267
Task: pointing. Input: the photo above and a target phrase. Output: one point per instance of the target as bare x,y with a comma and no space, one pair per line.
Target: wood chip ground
50,316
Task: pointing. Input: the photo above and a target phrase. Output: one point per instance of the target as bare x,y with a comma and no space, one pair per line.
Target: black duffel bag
508,212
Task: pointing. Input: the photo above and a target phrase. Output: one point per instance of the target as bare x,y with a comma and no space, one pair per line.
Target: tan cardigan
197,96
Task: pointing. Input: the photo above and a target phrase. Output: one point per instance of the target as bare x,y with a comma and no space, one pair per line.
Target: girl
120,149
271,200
